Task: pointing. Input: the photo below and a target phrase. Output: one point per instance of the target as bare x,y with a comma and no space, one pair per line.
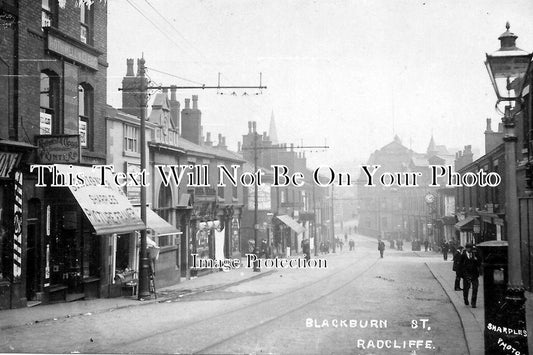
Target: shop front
291,240
85,225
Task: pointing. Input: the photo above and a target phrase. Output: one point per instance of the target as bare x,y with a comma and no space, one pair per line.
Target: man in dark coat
381,247
470,264
445,249
457,268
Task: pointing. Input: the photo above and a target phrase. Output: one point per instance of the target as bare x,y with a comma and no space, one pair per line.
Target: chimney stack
191,122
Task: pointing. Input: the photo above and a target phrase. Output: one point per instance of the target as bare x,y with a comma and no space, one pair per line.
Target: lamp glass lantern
507,67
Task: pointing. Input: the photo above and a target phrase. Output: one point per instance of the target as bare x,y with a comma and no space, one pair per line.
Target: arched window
49,96
85,112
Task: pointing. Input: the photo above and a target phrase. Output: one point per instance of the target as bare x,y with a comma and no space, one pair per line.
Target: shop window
6,249
131,139
86,27
165,203
85,112
49,103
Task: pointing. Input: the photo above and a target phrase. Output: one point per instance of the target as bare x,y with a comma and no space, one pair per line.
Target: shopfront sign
72,52
59,149
7,162
105,205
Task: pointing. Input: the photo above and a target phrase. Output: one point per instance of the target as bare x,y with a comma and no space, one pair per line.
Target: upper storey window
86,24
48,13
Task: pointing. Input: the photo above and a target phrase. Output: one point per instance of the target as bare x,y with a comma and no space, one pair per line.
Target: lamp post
507,67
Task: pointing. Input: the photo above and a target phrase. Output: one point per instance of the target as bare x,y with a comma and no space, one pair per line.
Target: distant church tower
272,132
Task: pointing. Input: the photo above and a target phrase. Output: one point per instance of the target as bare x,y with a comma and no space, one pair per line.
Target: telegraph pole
255,148
144,264
144,290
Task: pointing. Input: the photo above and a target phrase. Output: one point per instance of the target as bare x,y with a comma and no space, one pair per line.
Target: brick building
52,111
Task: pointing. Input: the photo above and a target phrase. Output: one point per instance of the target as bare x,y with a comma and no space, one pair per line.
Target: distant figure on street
426,245
381,247
457,268
306,248
470,269
400,244
444,248
346,237
351,243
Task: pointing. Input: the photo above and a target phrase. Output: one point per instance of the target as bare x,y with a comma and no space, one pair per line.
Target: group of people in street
466,264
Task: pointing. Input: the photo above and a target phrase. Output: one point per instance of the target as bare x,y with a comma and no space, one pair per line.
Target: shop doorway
34,253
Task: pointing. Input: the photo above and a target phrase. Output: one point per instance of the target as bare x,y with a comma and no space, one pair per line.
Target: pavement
212,281
472,319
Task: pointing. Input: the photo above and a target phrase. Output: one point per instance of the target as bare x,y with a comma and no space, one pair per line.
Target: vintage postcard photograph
266,177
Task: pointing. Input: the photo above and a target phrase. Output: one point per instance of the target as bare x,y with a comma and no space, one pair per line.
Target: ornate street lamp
507,68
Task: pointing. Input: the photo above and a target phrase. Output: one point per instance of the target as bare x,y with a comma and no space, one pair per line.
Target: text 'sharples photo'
266,177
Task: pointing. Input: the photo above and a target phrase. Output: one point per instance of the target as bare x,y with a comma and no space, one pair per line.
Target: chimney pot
489,128
129,67
249,126
238,146
254,126
195,102
173,92
187,103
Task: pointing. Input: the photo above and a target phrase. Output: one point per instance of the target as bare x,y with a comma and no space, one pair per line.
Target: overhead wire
246,102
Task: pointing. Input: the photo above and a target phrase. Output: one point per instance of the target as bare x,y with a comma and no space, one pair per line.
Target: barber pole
17,240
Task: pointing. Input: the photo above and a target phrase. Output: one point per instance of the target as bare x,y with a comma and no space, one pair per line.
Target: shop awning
465,224
290,222
156,223
105,204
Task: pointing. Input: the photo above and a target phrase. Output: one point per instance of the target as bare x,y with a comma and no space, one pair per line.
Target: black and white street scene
266,177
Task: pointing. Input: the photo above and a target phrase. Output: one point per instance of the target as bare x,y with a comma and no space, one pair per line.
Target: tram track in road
240,316
292,310
202,326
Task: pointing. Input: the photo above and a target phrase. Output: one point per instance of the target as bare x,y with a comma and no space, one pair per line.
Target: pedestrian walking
426,245
381,247
470,269
444,249
457,268
306,249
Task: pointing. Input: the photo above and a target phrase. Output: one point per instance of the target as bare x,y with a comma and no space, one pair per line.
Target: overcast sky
348,73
